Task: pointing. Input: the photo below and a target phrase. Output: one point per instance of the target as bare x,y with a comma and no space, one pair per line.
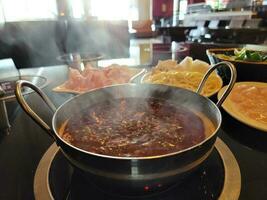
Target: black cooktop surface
206,182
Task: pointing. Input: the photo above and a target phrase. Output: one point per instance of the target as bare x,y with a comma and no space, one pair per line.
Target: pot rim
135,158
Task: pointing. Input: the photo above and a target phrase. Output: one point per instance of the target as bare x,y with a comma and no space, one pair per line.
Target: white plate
63,89
232,110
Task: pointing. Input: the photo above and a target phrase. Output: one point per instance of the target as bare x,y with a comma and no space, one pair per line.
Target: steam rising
99,99
39,43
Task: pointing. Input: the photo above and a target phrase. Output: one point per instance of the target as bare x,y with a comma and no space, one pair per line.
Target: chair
143,29
252,23
236,23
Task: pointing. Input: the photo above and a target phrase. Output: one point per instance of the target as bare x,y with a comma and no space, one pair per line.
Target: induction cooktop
217,178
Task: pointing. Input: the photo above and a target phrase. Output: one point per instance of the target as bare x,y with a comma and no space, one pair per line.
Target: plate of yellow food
187,74
247,103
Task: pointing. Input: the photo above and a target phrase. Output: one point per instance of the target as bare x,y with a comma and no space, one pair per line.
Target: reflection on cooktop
217,178
204,183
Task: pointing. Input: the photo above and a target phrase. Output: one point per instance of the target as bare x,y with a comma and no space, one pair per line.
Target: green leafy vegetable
249,55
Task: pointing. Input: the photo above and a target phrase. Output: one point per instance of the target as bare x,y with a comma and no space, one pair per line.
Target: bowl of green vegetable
251,65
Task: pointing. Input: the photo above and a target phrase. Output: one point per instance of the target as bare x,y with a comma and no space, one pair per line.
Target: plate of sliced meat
92,78
247,103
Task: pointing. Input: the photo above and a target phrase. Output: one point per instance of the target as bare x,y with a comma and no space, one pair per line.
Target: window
22,10
77,8
114,10
183,9
25,10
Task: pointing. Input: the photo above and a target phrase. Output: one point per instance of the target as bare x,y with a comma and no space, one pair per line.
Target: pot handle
230,85
21,100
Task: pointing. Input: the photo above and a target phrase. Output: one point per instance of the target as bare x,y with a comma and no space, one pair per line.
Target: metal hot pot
128,174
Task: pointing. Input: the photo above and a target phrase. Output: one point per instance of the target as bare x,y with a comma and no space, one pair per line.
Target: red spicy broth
135,127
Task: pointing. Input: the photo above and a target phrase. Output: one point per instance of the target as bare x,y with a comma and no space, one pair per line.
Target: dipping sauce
135,127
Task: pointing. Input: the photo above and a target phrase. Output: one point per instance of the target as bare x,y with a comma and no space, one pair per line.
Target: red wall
162,8
195,1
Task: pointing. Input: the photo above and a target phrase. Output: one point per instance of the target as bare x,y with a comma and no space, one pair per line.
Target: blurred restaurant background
41,41
35,33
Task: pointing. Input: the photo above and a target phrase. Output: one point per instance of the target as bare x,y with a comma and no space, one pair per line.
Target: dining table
25,143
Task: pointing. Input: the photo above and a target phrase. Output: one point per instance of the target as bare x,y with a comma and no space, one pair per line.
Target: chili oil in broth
135,127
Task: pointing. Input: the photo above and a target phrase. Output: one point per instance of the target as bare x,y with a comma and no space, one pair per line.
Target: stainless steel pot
127,174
